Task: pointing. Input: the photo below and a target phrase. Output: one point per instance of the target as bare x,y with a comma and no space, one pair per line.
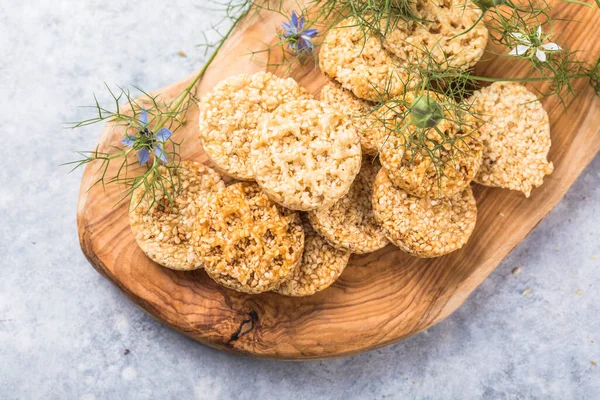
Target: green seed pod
425,112
487,4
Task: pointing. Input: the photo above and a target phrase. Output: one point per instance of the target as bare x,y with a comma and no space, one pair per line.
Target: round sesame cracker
515,135
349,224
358,110
256,243
306,155
446,33
355,59
321,265
440,169
230,114
164,229
423,227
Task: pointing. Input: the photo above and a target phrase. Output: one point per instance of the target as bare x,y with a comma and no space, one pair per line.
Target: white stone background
63,328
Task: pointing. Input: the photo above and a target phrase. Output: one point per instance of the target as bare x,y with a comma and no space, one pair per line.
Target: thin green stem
492,79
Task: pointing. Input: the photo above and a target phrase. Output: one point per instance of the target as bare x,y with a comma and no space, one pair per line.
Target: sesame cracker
231,112
306,155
321,265
447,33
349,224
164,229
354,58
358,110
256,243
411,167
515,135
423,227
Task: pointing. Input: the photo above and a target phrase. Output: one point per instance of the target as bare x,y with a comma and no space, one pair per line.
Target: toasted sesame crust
166,232
306,155
515,135
358,110
356,60
434,38
349,224
256,244
411,167
423,227
321,265
230,114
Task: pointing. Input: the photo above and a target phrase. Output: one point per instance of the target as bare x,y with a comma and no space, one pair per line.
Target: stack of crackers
319,180
300,204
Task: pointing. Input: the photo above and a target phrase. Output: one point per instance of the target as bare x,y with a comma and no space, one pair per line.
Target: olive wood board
381,298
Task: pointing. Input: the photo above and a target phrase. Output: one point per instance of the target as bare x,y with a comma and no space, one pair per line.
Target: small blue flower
145,141
299,39
143,155
143,118
129,140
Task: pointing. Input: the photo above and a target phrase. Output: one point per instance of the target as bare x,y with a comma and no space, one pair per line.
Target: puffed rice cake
423,227
306,155
411,166
354,58
515,135
359,112
321,265
256,244
231,112
349,224
442,36
166,231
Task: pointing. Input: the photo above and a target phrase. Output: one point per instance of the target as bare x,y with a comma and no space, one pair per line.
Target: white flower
527,44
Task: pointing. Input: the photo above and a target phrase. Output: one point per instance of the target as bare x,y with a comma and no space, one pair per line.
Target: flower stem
492,79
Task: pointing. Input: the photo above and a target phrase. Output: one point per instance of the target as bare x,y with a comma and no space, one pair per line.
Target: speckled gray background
64,328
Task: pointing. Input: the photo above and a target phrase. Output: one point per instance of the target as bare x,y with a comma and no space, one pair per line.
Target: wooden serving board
381,298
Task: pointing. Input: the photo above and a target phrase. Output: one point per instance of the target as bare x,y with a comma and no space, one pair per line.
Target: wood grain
382,297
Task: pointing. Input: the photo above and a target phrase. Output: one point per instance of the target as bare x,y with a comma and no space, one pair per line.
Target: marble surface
64,329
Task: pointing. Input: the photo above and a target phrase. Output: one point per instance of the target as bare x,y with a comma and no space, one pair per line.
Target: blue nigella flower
146,141
299,39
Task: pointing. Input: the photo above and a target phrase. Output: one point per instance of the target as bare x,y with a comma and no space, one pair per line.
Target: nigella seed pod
426,112
487,4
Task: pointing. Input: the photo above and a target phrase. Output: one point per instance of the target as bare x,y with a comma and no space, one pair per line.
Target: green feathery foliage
156,175
510,24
